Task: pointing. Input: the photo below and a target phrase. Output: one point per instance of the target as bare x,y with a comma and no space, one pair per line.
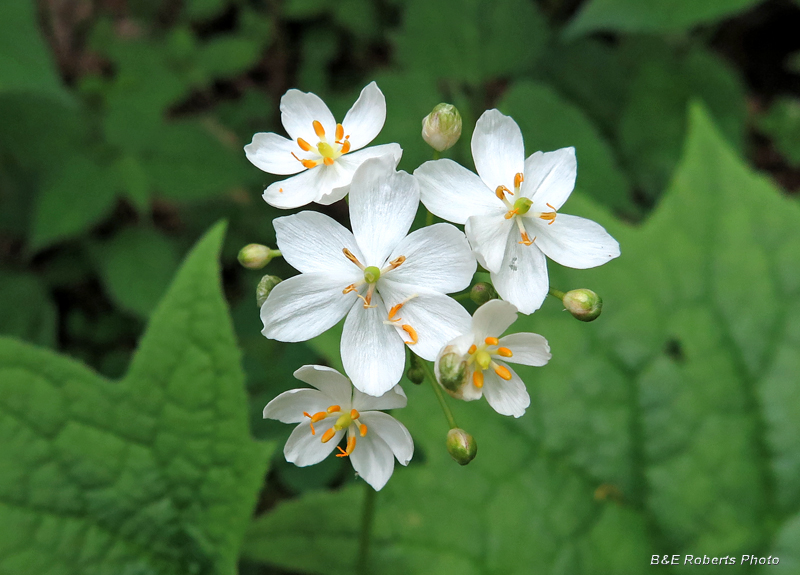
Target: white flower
324,151
485,354
390,286
335,408
512,231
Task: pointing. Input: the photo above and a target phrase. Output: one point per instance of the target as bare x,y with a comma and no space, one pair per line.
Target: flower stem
461,296
556,294
451,421
367,517
275,253
437,154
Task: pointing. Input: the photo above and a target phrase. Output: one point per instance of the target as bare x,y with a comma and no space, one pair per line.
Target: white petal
383,204
313,242
522,279
392,432
438,257
453,193
303,188
298,112
528,348
289,406
372,353
395,398
498,150
273,154
576,242
469,392
435,317
506,397
365,119
550,178
330,382
488,235
304,306
303,449
492,319
349,163
373,460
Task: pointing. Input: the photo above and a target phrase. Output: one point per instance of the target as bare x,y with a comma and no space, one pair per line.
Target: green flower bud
452,372
482,292
256,256
415,373
583,304
442,127
461,446
265,286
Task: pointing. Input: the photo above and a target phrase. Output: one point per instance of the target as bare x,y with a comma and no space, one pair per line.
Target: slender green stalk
367,517
556,294
451,421
437,154
461,296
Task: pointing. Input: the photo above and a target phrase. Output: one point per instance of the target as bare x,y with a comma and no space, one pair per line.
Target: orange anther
333,408
328,435
393,312
477,379
313,432
318,129
502,371
339,132
354,414
345,147
351,445
319,416
412,333
499,192
472,349
551,216
518,179
327,161
526,240
504,352
491,341
362,429
305,146
309,163
395,263
349,255
280,190
510,214
348,289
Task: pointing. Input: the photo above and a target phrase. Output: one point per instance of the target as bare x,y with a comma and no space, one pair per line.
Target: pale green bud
442,127
415,373
256,256
583,304
461,446
452,372
482,292
265,286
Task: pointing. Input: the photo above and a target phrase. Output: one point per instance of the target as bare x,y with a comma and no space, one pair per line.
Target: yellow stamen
502,371
394,310
328,435
348,289
499,192
306,163
339,132
345,147
526,240
472,349
510,214
368,298
551,216
518,179
354,414
395,263
349,255
362,429
504,352
333,408
328,161
412,333
351,445
319,416
477,379
318,129
491,341
305,146
311,417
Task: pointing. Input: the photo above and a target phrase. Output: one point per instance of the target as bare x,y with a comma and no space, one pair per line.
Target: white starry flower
480,356
512,231
336,409
324,154
391,286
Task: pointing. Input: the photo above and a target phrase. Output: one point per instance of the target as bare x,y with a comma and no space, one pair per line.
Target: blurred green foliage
121,134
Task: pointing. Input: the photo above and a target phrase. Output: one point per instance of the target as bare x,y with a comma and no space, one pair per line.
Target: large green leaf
153,474
652,15
669,426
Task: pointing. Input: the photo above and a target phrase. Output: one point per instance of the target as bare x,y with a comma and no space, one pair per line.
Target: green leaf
26,310
548,122
136,267
782,124
228,55
652,15
25,61
152,474
669,425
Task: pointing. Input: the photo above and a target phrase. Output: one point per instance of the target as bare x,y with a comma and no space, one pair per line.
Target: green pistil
371,274
522,205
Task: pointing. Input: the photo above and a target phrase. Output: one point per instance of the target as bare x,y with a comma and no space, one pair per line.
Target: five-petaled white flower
512,231
481,355
390,286
335,408
319,147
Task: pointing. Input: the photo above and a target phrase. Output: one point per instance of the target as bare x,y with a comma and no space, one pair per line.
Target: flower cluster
391,284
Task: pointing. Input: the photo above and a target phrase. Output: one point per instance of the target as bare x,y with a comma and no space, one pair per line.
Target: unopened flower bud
256,256
452,372
461,446
265,286
415,373
442,127
583,304
482,292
